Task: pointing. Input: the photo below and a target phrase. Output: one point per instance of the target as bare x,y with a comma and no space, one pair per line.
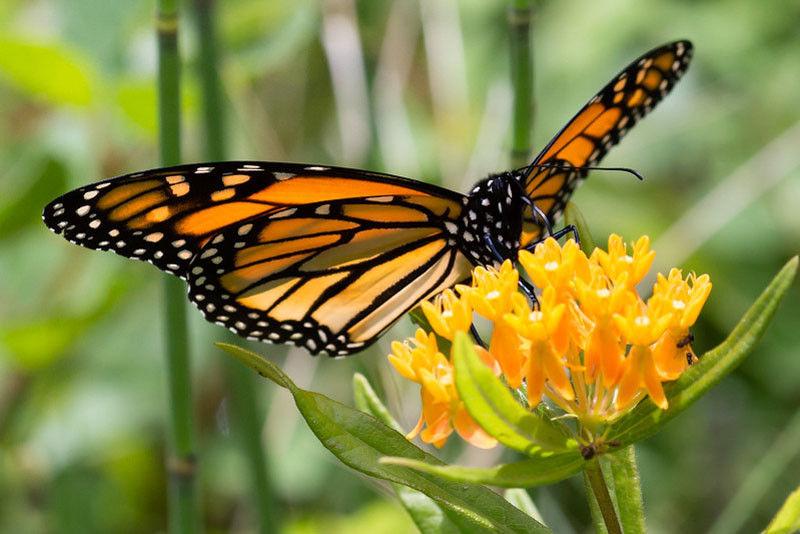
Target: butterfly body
491,225
328,258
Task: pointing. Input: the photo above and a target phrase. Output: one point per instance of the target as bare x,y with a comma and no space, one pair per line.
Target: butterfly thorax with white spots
491,223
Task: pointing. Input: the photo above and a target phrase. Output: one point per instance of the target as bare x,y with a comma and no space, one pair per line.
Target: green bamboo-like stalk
184,513
244,410
213,108
519,20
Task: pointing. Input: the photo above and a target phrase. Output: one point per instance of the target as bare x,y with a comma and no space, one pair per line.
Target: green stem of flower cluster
184,513
597,482
628,490
245,412
519,20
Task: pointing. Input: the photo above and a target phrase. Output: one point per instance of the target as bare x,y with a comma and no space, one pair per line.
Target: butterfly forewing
602,122
165,216
329,276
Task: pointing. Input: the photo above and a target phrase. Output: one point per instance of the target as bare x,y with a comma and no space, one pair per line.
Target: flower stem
184,513
519,20
594,509
597,482
628,490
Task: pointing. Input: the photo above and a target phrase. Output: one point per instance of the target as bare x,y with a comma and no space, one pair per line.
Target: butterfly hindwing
328,276
602,122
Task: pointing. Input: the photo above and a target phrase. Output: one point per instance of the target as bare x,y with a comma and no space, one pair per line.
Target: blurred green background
413,87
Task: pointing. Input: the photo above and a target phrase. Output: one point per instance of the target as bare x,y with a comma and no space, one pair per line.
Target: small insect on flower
591,345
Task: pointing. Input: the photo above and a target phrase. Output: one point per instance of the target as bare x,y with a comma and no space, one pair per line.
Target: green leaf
360,441
522,500
647,418
523,474
367,401
426,514
258,363
573,216
494,408
52,71
787,520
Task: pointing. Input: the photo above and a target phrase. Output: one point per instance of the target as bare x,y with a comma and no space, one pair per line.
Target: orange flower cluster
592,345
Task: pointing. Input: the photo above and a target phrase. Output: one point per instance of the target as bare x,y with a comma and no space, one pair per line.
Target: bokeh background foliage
419,88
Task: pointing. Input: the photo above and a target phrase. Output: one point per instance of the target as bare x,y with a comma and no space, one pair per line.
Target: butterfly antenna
527,168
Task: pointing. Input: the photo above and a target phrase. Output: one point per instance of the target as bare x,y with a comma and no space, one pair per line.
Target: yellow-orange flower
551,265
490,296
448,314
600,300
491,290
641,326
545,361
683,299
622,268
589,342
419,359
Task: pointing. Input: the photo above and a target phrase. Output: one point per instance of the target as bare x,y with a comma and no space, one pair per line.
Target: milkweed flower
491,296
589,343
684,299
419,360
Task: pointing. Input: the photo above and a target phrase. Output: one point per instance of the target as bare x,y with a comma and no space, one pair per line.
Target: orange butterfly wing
602,122
323,257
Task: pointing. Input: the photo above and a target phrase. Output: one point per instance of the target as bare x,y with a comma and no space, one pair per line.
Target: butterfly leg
557,235
525,286
570,228
474,332
541,217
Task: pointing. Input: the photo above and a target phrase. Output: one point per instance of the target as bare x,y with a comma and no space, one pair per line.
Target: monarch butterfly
329,258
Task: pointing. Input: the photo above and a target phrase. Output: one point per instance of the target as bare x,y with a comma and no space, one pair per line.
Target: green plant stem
213,107
597,482
519,21
594,508
628,490
184,513
245,413
247,422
